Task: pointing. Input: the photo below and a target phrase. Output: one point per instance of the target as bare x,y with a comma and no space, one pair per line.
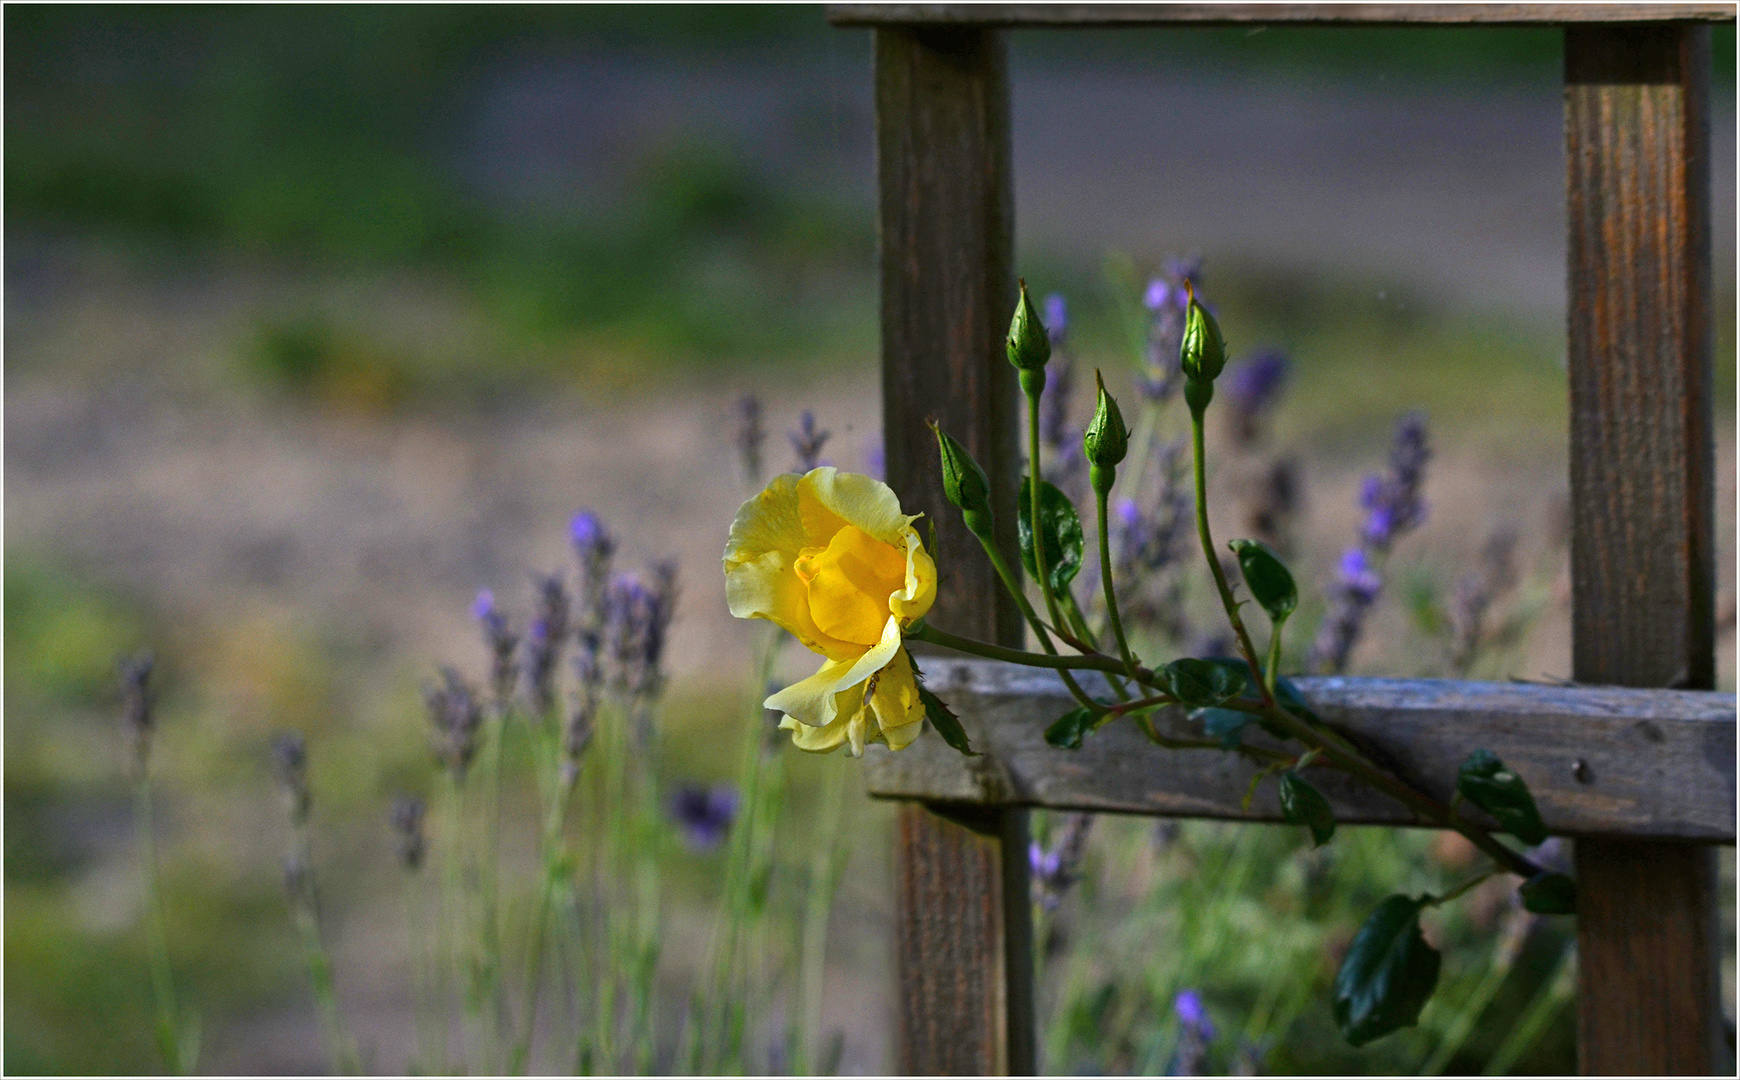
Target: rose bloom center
849,584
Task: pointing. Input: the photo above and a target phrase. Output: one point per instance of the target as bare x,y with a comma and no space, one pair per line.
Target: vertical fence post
963,916
1642,563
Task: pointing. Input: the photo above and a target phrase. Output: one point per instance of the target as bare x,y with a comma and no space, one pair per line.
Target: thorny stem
1272,670
1040,570
1013,585
1208,553
1093,662
1460,889
1106,580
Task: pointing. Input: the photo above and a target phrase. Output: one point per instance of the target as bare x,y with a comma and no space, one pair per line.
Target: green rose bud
1202,353
1028,345
1106,440
965,483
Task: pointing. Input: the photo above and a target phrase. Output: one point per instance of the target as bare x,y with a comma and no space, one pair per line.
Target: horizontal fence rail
1655,764
1085,15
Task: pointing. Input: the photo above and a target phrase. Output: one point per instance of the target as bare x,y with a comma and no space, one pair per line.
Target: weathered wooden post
964,938
1655,775
1637,144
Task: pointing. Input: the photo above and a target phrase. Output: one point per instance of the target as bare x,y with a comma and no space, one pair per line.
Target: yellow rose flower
829,557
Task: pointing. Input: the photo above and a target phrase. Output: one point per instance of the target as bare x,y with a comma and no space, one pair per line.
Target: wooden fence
1643,778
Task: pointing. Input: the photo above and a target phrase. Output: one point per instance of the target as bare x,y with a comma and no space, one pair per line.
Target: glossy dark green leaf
1057,517
1388,974
1070,728
1302,804
1549,893
1202,682
1227,725
1484,781
947,724
1268,578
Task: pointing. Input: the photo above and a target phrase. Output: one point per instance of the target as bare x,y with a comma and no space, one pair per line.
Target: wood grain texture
1653,763
946,218
1066,15
1637,144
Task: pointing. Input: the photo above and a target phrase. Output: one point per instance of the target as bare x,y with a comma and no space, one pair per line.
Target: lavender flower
299,885
704,815
1251,387
501,642
593,548
1392,503
1054,871
407,817
1195,1033
807,442
1278,497
638,618
1151,546
750,436
1056,319
455,715
1477,591
1393,507
544,637
290,765
138,705
1167,301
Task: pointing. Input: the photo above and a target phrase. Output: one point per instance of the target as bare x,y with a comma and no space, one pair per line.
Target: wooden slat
1085,15
1653,763
964,933
1637,145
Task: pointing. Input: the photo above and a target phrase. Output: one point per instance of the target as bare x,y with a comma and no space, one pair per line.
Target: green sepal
1484,781
1302,804
1199,683
1268,578
1549,893
1068,730
1197,394
964,482
1063,540
1106,440
947,724
1388,974
1028,346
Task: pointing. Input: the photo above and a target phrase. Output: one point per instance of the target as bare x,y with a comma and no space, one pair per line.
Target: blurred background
319,320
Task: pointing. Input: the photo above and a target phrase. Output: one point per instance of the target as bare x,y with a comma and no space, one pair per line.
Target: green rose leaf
1070,728
1057,517
1549,893
1484,781
1269,580
947,724
1202,682
1387,975
1302,804
1227,725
